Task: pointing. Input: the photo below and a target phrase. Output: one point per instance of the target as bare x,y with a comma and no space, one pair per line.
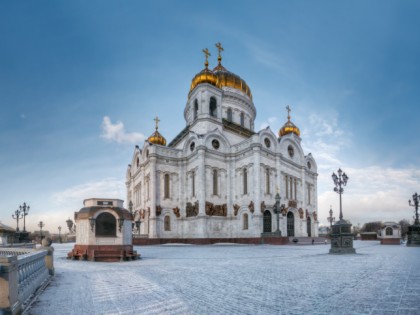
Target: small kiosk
390,233
104,231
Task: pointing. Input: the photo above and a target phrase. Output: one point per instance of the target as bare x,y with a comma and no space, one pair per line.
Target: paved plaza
238,279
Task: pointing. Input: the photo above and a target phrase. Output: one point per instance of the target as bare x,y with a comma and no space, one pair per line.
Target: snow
248,279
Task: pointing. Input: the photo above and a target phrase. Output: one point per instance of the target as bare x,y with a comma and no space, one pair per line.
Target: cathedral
219,178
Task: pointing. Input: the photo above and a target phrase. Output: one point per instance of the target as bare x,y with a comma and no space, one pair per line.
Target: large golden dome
289,127
156,137
219,77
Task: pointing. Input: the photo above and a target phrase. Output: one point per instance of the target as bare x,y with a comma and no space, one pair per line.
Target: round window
309,165
267,142
192,146
215,143
291,151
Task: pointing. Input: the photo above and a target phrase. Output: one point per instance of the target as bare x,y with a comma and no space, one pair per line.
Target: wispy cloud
116,132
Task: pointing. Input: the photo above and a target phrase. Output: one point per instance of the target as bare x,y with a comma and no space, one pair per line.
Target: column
153,192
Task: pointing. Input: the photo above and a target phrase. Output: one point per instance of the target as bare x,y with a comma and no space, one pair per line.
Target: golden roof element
289,127
156,137
219,77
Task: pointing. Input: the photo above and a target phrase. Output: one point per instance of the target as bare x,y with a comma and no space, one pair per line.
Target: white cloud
116,132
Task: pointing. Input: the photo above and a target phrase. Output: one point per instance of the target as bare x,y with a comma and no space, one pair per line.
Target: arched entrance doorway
267,221
290,224
308,226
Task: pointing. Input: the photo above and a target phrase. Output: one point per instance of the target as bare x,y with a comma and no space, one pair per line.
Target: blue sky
81,81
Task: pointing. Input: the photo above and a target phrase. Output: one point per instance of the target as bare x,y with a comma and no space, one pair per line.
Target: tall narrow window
388,231
213,107
287,186
166,186
167,223
295,189
215,188
245,222
195,109
291,187
242,119
267,180
148,189
193,183
309,194
245,181
229,114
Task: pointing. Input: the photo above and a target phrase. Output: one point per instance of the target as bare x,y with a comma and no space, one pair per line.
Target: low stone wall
209,241
390,241
22,272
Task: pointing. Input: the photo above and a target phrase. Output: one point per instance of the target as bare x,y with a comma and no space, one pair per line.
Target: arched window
195,109
106,225
138,162
267,180
193,183
167,223
242,119
245,222
245,181
229,114
215,187
388,230
213,107
166,186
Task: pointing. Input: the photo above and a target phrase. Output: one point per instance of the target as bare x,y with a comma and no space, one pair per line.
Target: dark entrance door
267,221
290,224
308,222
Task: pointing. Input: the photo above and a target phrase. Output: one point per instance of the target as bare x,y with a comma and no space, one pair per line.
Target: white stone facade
218,178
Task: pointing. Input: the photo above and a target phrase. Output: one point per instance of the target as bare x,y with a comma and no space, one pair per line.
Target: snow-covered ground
242,279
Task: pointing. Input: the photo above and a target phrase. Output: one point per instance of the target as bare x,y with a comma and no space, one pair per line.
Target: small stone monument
342,238
104,231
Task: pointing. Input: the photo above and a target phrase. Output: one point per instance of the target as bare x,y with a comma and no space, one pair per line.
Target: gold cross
207,54
157,121
288,111
220,49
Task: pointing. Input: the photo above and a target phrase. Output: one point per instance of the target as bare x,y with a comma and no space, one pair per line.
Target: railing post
9,279
49,258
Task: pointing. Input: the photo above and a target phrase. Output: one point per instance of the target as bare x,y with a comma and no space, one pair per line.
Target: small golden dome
205,76
156,137
289,127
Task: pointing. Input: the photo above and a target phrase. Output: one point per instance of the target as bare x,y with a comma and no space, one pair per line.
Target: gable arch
268,133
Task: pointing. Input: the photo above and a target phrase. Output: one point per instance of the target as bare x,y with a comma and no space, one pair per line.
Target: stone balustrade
22,272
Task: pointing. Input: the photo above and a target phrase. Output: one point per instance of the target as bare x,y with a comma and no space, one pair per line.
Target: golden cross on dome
207,54
288,112
220,49
156,121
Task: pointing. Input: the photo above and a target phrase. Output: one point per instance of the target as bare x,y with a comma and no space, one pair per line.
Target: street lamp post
24,209
331,219
41,225
59,234
341,236
69,223
277,209
413,233
416,199
17,216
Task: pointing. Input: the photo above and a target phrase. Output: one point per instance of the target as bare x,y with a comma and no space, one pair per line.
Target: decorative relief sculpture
192,210
293,203
235,209
315,216
262,207
142,213
300,213
177,212
284,211
216,210
158,210
251,206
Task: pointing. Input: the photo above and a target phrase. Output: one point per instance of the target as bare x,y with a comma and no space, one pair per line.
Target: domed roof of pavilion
289,127
219,76
156,137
